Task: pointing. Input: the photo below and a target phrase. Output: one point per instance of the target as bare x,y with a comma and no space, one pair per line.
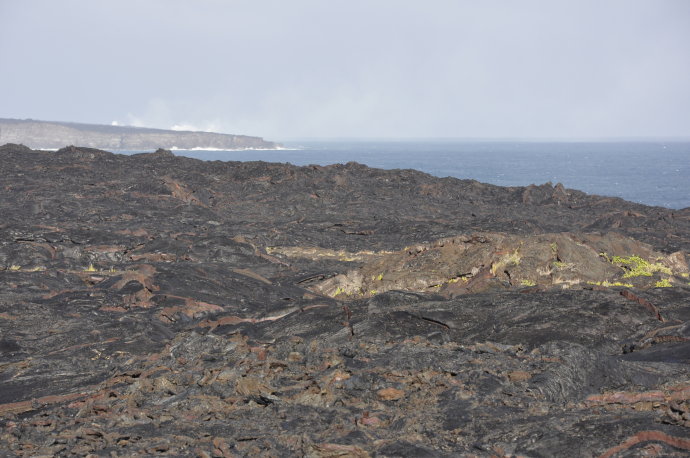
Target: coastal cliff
53,135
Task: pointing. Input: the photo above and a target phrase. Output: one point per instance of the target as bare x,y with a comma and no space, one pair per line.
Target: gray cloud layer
378,68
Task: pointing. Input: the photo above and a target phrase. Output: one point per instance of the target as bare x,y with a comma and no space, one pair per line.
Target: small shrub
507,260
664,283
635,266
608,284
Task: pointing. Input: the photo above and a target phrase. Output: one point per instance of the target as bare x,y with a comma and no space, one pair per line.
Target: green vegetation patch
636,266
608,284
665,283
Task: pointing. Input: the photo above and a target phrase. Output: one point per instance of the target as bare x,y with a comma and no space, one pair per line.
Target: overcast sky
353,68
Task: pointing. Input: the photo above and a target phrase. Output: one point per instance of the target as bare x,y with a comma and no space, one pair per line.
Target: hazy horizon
409,139
346,70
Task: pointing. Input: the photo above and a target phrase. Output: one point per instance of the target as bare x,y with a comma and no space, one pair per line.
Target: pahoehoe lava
154,304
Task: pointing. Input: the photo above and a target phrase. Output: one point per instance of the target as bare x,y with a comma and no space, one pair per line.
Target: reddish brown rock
390,394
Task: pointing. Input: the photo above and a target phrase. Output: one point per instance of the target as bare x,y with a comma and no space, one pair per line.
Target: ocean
652,173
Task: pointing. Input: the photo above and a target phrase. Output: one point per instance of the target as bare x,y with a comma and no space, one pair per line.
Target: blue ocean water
652,173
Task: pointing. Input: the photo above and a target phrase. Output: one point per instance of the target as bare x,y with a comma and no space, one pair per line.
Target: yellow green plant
636,266
91,268
528,283
508,259
37,269
664,283
608,284
15,267
338,291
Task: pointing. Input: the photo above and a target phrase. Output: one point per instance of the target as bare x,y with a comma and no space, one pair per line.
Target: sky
283,70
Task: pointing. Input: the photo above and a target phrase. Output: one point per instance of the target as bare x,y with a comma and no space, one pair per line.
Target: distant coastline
50,135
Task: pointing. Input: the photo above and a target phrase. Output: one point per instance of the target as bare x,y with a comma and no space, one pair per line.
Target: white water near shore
204,148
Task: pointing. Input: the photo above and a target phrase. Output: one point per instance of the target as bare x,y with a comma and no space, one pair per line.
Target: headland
55,135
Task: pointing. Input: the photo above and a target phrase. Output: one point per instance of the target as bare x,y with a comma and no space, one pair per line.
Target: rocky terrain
53,135
154,304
